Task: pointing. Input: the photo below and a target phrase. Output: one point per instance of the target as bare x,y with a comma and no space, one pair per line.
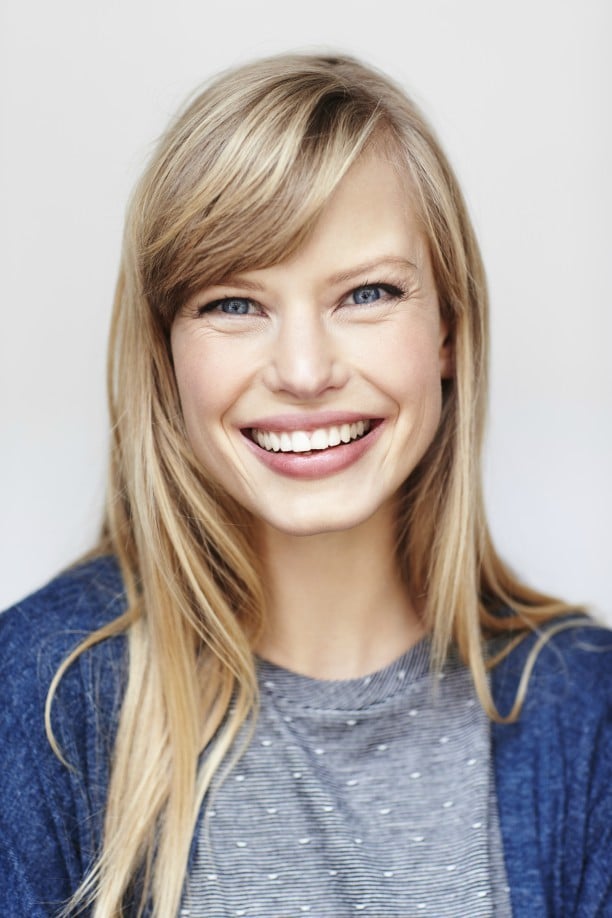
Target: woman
295,676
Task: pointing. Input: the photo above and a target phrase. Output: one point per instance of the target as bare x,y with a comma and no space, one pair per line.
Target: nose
305,359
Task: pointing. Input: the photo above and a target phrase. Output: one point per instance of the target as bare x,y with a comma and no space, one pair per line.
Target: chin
310,527
311,521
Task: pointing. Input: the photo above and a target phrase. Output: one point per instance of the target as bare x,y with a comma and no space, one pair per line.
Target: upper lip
307,422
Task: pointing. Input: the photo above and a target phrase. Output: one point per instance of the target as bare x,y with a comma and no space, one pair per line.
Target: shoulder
39,633
76,602
567,665
564,671
560,747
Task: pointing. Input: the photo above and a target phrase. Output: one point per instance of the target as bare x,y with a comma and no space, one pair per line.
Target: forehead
370,220
373,198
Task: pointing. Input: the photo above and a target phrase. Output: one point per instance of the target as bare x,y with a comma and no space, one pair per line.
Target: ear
446,351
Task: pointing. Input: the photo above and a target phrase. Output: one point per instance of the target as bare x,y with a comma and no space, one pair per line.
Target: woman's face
311,389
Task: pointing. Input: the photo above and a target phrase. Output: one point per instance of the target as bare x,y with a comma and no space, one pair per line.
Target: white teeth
301,441
334,436
319,439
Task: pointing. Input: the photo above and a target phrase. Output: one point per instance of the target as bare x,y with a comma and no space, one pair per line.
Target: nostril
304,375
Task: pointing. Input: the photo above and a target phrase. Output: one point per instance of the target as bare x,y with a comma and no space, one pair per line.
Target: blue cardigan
553,768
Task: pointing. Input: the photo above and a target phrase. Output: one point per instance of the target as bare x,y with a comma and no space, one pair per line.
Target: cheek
202,391
211,372
408,367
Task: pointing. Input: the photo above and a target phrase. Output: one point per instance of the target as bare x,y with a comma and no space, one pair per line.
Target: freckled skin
304,341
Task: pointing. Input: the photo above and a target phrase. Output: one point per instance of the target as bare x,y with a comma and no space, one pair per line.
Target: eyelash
391,290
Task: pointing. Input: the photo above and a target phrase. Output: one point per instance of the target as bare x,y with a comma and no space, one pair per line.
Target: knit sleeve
553,772
594,889
51,815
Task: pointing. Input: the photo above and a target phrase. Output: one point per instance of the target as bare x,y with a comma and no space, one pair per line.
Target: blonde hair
237,183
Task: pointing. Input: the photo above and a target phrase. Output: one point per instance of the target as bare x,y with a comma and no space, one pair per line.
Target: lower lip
318,463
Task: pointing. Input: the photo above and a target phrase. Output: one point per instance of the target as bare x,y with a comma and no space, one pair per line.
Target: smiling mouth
302,441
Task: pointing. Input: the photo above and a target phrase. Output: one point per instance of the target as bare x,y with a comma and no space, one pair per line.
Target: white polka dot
352,782
421,905
266,742
269,684
413,712
304,841
332,873
304,908
506,889
212,812
351,723
360,907
239,778
470,703
385,811
417,838
444,740
359,841
482,893
241,911
319,752
441,675
328,809
273,876
382,747
287,719
451,867
241,844
447,804
415,774
272,810
477,825
367,680
388,873
211,876
297,774
471,761
401,674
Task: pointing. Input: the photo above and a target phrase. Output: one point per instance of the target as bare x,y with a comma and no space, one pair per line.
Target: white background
521,96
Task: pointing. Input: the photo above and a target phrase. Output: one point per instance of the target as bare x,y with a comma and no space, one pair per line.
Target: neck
337,605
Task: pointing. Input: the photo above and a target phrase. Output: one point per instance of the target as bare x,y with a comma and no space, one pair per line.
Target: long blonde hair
237,183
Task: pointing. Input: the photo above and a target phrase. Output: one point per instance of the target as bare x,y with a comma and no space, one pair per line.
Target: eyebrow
340,277
367,266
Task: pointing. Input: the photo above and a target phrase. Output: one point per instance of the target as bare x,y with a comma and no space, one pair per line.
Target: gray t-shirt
371,795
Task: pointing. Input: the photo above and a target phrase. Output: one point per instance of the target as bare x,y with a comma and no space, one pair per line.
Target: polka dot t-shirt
366,796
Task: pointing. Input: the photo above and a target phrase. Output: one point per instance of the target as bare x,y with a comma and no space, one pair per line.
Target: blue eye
364,295
373,293
230,306
236,306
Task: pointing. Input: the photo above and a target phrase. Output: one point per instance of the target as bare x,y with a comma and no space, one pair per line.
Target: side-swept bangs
242,175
